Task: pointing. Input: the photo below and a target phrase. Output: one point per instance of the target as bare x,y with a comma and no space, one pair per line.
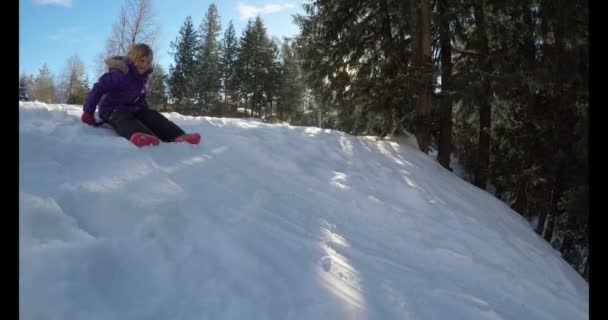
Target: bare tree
100,66
118,43
142,26
136,24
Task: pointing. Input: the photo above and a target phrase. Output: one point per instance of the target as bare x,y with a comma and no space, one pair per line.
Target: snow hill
267,221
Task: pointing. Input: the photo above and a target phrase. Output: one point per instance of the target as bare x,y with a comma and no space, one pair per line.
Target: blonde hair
138,51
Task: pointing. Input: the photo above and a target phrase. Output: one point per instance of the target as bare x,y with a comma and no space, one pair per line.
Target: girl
121,94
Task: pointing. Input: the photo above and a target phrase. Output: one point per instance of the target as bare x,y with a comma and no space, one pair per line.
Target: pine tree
86,84
485,109
564,56
357,57
244,65
24,87
257,68
44,86
265,73
422,49
291,88
537,75
229,51
272,76
208,61
157,91
182,74
445,121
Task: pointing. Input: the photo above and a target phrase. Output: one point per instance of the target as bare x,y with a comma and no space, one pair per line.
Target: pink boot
141,139
192,138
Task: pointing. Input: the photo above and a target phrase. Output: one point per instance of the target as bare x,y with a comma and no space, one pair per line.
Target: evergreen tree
182,74
24,88
157,89
44,86
257,67
264,67
423,63
244,65
208,80
537,77
357,56
229,51
272,75
291,89
445,121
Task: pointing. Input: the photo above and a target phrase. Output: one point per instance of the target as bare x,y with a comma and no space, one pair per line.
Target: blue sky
50,31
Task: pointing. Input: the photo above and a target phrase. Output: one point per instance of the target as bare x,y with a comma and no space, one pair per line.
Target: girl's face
142,64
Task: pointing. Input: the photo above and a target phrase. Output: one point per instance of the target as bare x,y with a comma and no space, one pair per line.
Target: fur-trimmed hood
123,64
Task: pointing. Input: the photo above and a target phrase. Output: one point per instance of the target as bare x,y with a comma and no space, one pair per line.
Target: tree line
222,74
71,86
500,85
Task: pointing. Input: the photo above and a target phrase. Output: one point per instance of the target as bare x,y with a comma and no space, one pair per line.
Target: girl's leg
162,127
126,124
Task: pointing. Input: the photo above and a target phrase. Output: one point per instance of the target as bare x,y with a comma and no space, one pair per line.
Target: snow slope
266,221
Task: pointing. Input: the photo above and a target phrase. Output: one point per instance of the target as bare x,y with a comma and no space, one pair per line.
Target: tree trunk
484,142
541,222
545,216
548,232
225,92
529,52
70,86
521,199
568,248
445,117
320,118
423,61
390,67
485,111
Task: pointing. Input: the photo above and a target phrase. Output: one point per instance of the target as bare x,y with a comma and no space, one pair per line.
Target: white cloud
65,3
247,11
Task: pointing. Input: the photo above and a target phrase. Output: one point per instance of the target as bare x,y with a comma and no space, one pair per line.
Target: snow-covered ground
266,221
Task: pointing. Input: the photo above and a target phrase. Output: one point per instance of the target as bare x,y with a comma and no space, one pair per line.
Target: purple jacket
121,88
